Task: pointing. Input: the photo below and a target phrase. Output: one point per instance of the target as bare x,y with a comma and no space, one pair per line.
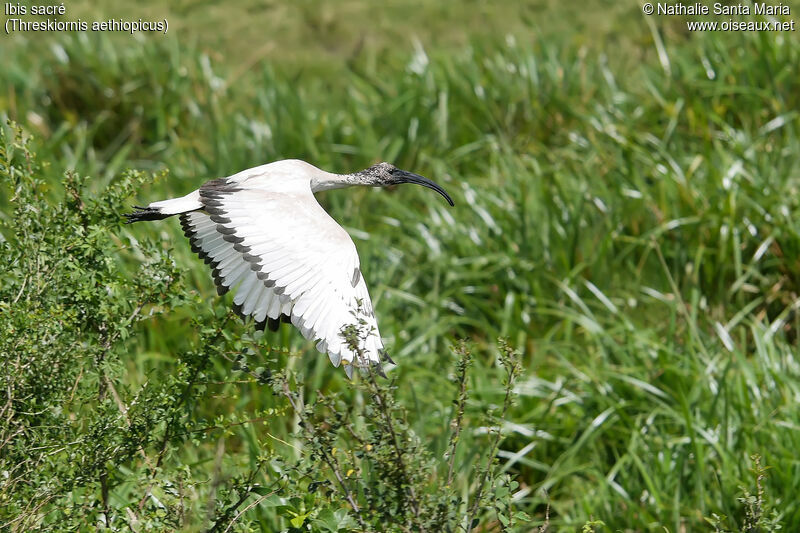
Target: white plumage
266,237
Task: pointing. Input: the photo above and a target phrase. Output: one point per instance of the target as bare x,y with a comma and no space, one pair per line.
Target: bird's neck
326,181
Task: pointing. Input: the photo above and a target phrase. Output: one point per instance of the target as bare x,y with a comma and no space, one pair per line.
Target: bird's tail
165,208
144,213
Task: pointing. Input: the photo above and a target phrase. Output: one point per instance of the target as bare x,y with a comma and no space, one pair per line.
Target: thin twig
21,290
463,364
240,513
104,495
242,499
330,461
512,369
387,419
543,527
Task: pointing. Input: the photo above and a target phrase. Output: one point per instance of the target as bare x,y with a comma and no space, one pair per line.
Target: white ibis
264,234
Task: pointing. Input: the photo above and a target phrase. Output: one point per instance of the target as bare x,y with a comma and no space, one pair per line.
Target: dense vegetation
601,335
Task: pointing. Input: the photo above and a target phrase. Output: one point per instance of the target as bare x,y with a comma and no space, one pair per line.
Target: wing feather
249,283
236,274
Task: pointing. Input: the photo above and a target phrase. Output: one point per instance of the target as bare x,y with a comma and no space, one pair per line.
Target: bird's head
384,174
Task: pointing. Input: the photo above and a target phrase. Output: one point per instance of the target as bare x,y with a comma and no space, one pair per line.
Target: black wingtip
385,355
143,214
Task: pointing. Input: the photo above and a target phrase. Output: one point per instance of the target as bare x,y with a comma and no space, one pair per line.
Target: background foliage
625,218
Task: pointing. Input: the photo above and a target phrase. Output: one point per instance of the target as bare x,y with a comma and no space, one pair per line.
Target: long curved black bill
409,177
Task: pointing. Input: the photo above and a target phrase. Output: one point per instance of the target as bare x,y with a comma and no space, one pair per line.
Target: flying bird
266,237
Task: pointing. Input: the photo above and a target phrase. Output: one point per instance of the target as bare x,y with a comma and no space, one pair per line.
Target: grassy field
626,204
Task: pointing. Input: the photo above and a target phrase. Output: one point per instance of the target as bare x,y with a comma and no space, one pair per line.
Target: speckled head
384,174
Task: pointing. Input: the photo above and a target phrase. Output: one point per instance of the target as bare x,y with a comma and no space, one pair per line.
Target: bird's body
264,235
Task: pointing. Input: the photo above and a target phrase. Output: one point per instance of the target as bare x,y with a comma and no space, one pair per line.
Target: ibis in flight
266,237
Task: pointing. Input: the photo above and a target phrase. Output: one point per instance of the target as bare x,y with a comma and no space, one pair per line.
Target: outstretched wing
287,259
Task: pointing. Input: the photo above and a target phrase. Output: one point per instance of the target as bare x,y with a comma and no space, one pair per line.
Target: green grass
627,223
